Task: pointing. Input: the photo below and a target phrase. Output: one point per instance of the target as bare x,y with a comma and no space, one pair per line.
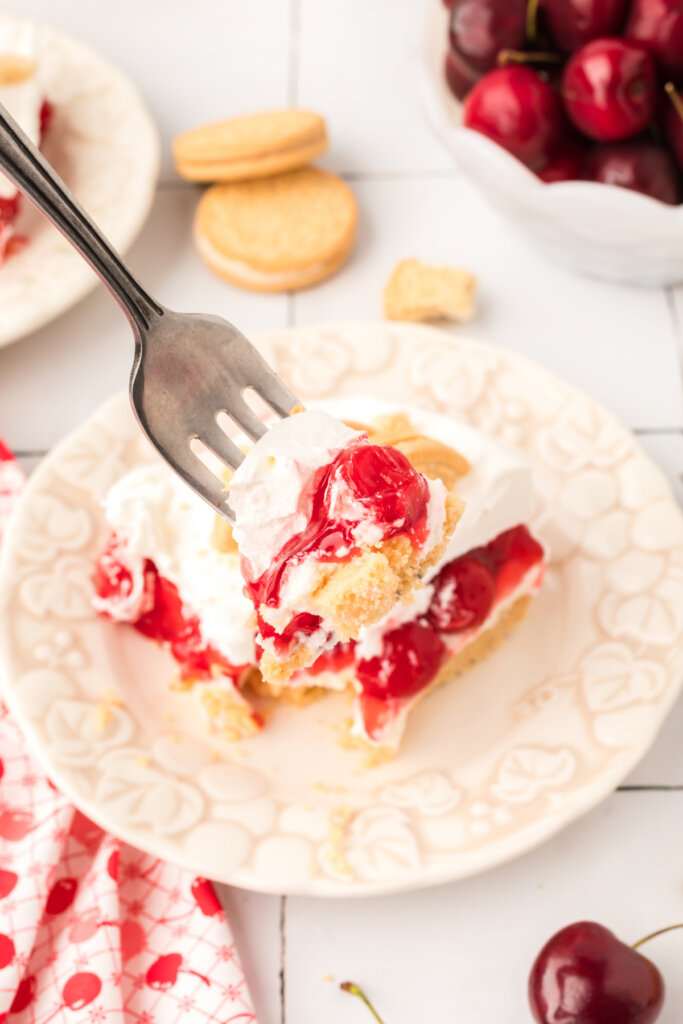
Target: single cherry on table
641,166
609,88
520,111
586,975
575,22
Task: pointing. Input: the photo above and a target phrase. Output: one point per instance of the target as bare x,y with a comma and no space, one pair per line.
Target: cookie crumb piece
420,291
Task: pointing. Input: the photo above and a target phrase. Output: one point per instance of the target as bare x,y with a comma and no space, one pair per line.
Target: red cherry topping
519,111
384,481
479,29
658,24
586,975
609,89
575,22
47,113
510,556
410,658
464,594
9,208
641,166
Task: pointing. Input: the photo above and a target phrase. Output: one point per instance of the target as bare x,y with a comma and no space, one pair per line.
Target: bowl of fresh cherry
568,115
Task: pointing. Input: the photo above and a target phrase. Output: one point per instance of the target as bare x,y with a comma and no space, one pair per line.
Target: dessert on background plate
333,531
22,94
173,572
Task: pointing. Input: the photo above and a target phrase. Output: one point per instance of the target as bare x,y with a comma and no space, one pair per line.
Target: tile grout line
283,958
676,324
651,788
168,184
293,68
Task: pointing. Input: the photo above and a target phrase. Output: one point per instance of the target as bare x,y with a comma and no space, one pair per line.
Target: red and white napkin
91,930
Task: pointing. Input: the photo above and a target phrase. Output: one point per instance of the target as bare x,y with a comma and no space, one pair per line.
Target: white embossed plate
491,765
105,146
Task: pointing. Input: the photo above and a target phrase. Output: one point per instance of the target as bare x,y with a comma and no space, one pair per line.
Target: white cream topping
160,518
22,99
268,491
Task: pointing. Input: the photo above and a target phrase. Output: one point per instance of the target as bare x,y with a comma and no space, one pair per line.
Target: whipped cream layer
23,99
160,518
272,494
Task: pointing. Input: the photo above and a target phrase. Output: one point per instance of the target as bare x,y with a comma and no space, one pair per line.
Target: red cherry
383,480
410,658
575,22
463,596
8,880
609,89
15,825
206,898
7,951
658,24
566,163
519,111
510,556
479,29
673,123
113,865
586,975
641,166
460,77
24,995
61,896
80,990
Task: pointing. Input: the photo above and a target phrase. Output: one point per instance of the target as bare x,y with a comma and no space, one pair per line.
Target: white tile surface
463,952
617,343
255,921
193,62
356,64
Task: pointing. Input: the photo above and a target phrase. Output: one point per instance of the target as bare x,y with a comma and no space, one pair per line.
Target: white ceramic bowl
598,229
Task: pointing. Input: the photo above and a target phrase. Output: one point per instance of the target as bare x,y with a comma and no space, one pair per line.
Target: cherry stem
653,935
354,990
675,98
506,57
531,20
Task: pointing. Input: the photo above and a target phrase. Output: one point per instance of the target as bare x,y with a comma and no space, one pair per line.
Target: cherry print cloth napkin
91,930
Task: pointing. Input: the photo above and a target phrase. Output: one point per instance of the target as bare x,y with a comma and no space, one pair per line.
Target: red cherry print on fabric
8,880
85,831
113,866
24,995
79,991
133,939
15,824
61,896
164,972
206,898
7,951
2,767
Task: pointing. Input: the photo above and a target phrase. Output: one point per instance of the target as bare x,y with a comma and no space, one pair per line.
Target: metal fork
188,368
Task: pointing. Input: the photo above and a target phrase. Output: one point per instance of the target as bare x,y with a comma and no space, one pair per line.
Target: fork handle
24,165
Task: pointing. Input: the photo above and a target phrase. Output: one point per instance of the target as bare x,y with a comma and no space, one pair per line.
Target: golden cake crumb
420,292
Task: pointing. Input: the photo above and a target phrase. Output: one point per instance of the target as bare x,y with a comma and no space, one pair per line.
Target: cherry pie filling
383,488
10,206
465,593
